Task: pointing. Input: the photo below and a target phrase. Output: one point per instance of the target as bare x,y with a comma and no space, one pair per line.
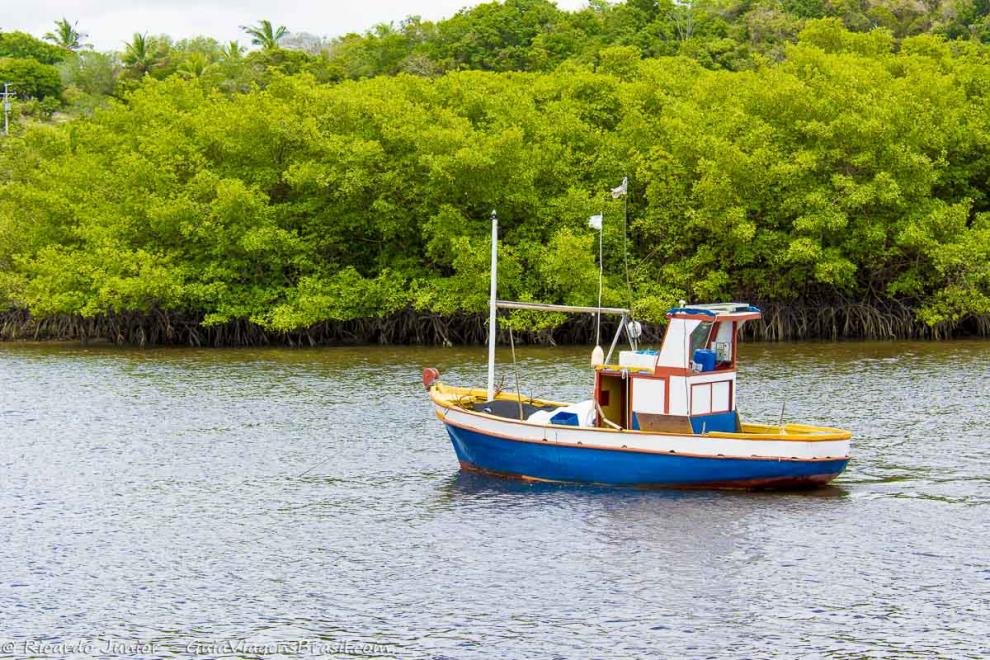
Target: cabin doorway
610,393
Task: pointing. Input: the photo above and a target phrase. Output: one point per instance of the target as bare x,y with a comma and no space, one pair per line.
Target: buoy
597,356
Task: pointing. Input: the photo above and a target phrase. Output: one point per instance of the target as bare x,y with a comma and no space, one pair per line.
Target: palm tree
142,54
232,51
194,65
264,35
66,35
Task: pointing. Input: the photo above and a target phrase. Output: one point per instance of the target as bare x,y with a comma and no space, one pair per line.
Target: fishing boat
658,417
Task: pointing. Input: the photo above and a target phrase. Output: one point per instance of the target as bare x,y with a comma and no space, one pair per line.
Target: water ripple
170,495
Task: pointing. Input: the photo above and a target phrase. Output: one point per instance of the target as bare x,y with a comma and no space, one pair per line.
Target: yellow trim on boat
452,397
448,394
619,367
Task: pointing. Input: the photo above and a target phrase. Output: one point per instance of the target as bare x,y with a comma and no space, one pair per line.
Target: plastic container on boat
565,418
706,358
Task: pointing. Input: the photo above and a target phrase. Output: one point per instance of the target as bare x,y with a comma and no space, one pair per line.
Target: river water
179,497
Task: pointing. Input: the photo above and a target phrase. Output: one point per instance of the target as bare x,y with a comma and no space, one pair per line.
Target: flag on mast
622,189
595,222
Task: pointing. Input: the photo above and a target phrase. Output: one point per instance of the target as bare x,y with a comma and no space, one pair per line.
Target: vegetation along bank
830,166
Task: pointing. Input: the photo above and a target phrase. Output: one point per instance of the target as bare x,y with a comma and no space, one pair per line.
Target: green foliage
23,46
829,35
145,54
773,154
30,78
264,34
90,73
533,35
495,36
65,35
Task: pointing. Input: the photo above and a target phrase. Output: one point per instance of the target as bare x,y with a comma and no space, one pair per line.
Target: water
195,496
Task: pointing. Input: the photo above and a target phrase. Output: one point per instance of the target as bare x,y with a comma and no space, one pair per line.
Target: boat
658,417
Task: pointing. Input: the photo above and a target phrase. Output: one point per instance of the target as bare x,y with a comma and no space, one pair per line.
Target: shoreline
781,323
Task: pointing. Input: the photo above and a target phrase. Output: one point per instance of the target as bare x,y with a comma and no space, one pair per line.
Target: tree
493,36
193,64
143,54
30,78
91,72
66,35
684,17
264,35
23,45
232,52
847,172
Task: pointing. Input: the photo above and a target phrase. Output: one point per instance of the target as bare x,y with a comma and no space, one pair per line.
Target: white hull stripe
690,445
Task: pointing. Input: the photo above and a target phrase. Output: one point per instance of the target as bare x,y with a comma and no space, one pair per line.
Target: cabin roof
727,311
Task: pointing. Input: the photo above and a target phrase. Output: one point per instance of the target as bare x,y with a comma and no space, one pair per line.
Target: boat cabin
688,385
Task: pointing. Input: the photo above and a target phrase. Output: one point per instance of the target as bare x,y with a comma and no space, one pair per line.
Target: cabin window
722,396
648,395
722,341
699,337
708,398
701,399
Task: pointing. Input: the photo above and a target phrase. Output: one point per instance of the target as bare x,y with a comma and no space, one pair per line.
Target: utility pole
6,108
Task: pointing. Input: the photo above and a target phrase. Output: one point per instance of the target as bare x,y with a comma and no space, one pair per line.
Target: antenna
623,191
625,237
601,276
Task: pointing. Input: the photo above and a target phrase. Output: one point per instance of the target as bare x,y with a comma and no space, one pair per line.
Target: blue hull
531,460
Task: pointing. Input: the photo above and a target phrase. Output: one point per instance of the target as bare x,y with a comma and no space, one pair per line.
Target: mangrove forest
826,160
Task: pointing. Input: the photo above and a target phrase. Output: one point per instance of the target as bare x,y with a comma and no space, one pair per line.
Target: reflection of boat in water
663,417
477,488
